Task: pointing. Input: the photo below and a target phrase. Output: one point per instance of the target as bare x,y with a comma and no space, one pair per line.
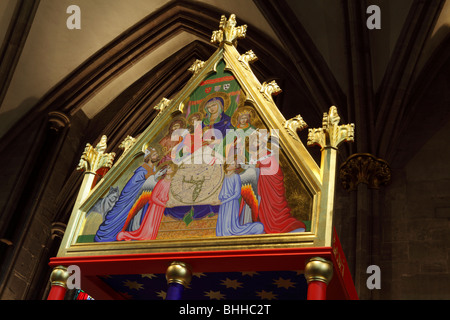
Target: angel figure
228,223
117,217
149,227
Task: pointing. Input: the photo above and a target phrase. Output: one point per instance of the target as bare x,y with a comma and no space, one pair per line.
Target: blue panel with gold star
250,285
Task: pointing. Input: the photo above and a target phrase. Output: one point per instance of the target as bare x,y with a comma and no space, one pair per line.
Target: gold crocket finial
196,66
295,125
331,134
161,106
126,145
247,58
93,159
228,32
269,89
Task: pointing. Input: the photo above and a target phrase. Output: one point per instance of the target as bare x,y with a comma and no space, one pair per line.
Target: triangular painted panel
218,168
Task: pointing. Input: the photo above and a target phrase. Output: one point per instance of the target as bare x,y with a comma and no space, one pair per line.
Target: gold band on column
179,272
319,269
59,276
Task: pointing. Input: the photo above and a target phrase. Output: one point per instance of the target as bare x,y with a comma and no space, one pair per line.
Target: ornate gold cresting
59,276
319,269
179,272
364,168
93,159
331,134
228,32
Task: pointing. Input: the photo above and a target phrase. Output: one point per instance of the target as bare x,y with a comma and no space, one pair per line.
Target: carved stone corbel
364,168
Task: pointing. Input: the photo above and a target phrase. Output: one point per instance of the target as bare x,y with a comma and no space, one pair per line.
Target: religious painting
214,170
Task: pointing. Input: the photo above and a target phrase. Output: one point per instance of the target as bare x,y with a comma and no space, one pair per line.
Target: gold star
198,274
162,294
232,283
249,273
214,295
148,275
133,285
266,295
284,283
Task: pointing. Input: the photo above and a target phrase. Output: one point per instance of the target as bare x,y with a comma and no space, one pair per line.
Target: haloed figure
274,211
116,218
216,118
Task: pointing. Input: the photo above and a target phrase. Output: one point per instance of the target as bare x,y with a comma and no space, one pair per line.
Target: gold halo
225,97
241,110
177,119
149,146
200,114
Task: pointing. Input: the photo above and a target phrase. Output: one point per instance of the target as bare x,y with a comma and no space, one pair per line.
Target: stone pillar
318,274
178,277
363,175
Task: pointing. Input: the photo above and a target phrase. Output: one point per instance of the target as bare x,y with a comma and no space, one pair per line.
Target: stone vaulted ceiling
320,52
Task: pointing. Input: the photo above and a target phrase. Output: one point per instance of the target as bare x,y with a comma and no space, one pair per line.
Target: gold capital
228,32
59,276
93,159
179,272
331,134
319,269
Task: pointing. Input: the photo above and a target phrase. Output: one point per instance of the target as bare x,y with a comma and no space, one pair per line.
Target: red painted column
318,273
58,280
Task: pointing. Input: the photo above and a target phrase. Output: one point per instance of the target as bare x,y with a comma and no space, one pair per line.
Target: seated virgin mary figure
215,116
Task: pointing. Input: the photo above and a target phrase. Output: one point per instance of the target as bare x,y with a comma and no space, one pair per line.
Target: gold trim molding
364,168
